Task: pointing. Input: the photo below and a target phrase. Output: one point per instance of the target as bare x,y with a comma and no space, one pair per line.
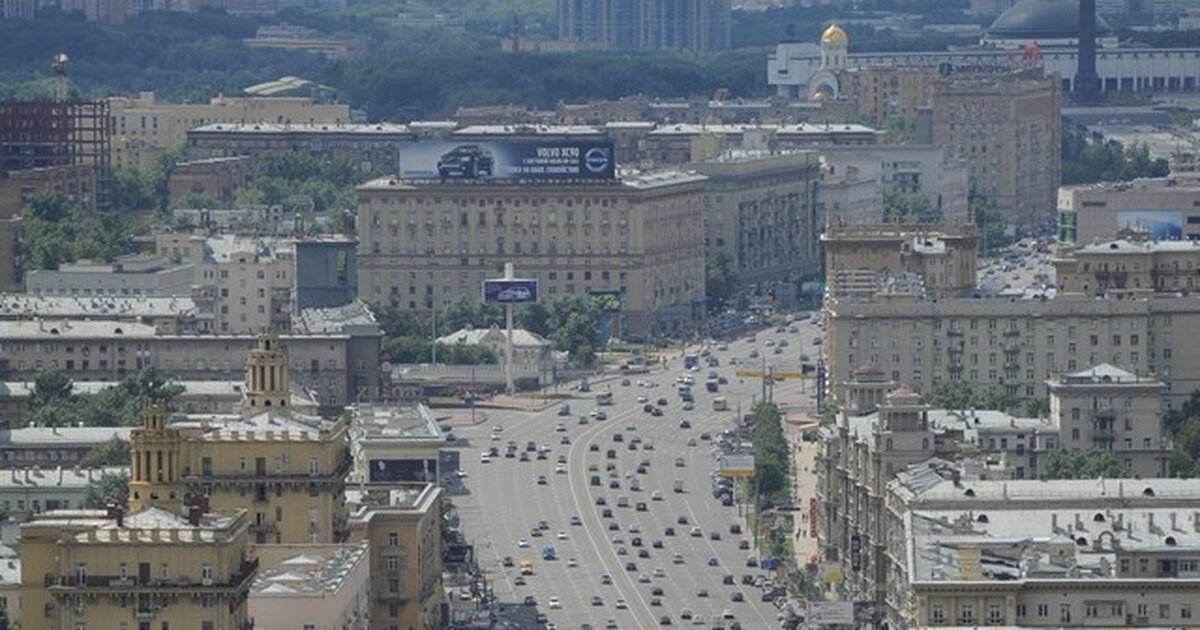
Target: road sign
829,613
737,466
514,291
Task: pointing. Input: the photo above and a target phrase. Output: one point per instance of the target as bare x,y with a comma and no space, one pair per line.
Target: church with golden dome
825,82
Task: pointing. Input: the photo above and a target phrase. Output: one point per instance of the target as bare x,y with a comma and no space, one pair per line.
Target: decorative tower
155,463
267,383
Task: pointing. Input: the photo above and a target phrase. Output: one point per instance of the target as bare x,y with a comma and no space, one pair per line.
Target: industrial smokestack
1087,82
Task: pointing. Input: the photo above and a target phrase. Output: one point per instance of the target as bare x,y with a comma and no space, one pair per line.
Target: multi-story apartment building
143,129
676,25
886,93
318,586
870,469
214,180
1007,128
1075,553
149,276
48,447
761,213
150,568
1110,409
850,193
285,469
395,444
1125,268
402,525
31,490
911,170
372,148
424,244
1161,209
943,256
334,353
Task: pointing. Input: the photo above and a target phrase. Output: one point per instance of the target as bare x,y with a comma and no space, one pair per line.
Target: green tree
993,230
407,349
461,354
898,208
131,191
397,322
51,386
535,318
119,405
114,452
1037,407
1089,158
772,463
720,283
1083,463
575,327
110,488
959,395
900,130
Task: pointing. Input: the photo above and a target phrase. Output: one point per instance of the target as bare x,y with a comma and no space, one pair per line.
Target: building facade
911,171
695,25
145,129
761,214
1166,208
402,525
127,276
943,256
97,569
425,244
285,469
214,181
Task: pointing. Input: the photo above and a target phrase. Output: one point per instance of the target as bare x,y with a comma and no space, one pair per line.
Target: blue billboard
509,291
509,159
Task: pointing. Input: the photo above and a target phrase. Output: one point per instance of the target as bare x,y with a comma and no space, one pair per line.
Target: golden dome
834,35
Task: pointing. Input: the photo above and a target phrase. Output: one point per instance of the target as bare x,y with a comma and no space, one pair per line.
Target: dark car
662,402
656,412
670,531
467,160
530,600
606,513
657,591
642,553
737,596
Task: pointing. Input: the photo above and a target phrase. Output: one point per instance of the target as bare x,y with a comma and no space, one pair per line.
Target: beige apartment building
425,244
1007,129
884,93
402,525
857,257
285,469
761,212
1129,268
1161,208
151,568
1117,553
1112,410
143,128
311,586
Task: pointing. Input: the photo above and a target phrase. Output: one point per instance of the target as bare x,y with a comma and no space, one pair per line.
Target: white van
720,404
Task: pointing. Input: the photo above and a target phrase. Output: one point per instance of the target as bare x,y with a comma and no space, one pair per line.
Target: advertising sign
1157,225
829,613
737,466
814,512
509,291
606,301
509,159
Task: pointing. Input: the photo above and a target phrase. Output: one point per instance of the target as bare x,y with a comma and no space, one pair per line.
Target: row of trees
56,231
1089,158
571,324
772,454
54,403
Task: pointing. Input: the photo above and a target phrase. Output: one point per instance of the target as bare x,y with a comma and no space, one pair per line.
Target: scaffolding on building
41,134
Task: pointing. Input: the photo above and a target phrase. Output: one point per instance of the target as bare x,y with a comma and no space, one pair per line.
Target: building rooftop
226,248
363,500
334,320
361,129
1105,374
57,477
99,307
1122,246
390,422
73,329
539,130
151,525
318,570
49,437
272,425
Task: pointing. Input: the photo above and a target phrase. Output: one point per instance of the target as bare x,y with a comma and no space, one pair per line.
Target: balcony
1011,332
1103,435
955,332
103,583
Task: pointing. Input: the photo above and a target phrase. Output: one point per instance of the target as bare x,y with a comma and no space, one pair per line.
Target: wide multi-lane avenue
630,551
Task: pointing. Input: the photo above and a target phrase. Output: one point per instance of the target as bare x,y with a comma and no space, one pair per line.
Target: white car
659,572
572,562
484,458
560,469
657,495
562,535
523,543
554,602
642,399
621,605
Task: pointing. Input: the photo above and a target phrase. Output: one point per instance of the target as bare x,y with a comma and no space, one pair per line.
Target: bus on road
691,360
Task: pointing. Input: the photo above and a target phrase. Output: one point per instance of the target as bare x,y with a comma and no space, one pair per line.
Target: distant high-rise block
647,24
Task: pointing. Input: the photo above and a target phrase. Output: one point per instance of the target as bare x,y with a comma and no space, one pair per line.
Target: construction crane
59,66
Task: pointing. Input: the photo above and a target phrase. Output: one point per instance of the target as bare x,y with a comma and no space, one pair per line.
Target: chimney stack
116,511
1087,82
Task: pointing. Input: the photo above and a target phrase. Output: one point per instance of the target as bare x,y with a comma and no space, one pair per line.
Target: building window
314,466
1185,611
937,614
206,573
393,539
1043,610
967,613
995,614
1064,613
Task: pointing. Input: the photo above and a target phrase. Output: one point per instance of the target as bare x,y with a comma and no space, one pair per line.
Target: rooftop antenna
59,66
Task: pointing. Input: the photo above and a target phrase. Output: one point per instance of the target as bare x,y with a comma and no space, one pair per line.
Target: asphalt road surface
504,502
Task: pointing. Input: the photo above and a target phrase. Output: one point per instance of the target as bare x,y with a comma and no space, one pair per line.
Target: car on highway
583,420
670,531
572,562
735,528
656,412
601,501
664,620
542,480
561,535
737,596
595,448
564,440
743,544
685,424
713,562
614,526
485,458
642,399
661,402
560,427
686,613
597,600
677,558
560,469
657,544
659,572
606,580
654,601
751,561
631,566
614,485
621,605
607,513
522,543
643,554
714,536
564,409
553,602
702,592
657,495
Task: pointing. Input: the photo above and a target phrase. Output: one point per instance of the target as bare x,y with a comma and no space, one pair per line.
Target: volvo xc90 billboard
513,159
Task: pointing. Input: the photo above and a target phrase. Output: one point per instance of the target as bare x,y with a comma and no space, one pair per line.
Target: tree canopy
720,282
961,395
898,208
120,405
54,231
114,452
110,488
1090,158
772,453
1083,463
